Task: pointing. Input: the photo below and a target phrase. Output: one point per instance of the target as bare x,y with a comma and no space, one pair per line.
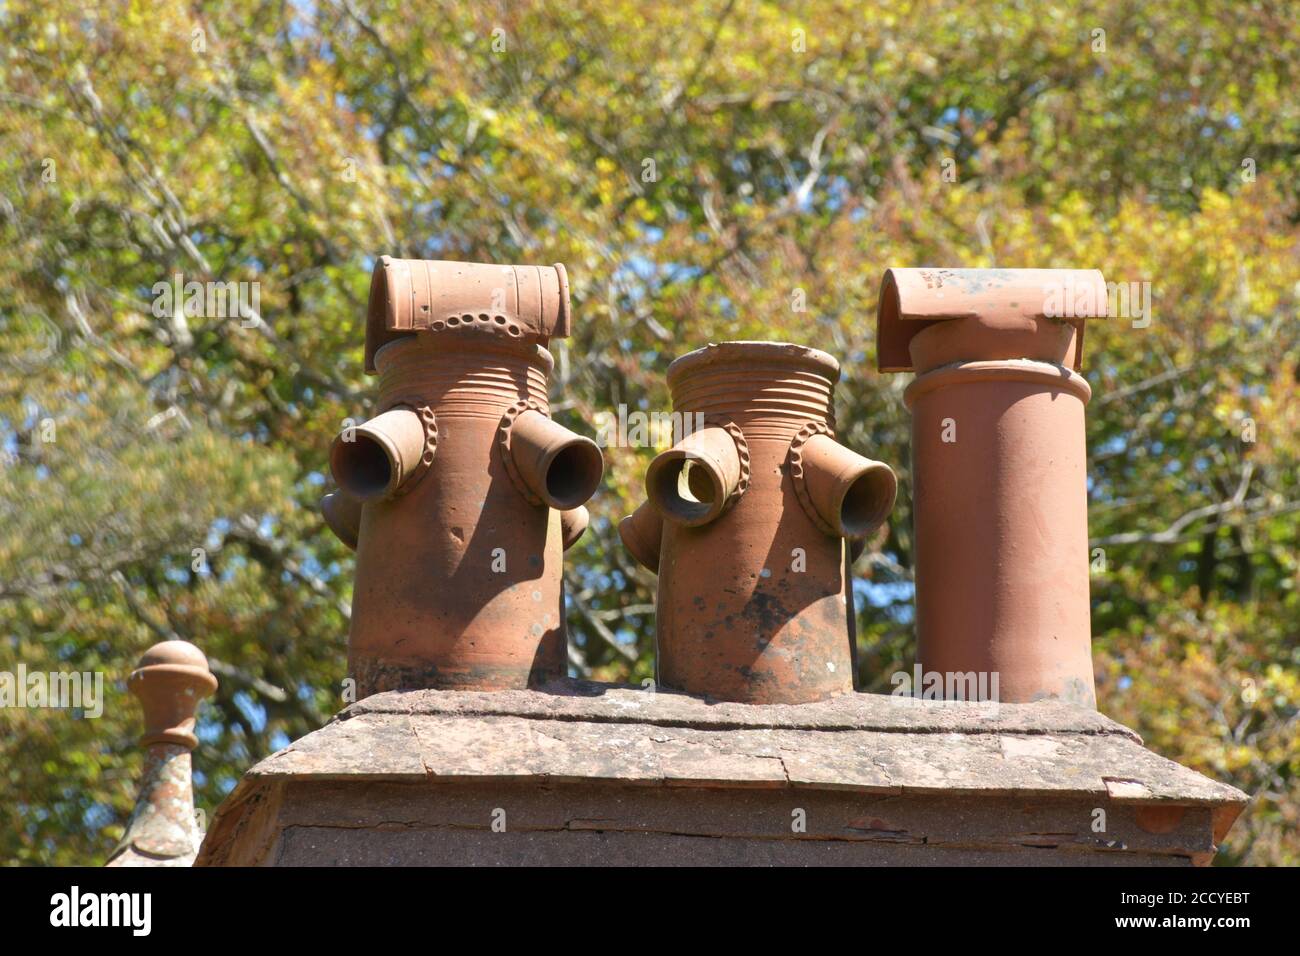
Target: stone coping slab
578,700
875,743
582,738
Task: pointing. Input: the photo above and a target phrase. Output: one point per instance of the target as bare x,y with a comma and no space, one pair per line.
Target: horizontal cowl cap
929,317
433,295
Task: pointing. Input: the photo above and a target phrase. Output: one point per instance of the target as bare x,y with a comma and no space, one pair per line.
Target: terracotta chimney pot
461,494
999,465
748,536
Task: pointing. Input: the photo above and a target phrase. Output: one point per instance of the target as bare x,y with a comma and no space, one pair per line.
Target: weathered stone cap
871,742
595,734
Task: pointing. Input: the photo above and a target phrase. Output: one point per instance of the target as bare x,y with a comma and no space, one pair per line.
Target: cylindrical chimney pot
1000,472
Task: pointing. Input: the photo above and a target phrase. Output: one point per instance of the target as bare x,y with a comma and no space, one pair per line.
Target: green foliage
694,165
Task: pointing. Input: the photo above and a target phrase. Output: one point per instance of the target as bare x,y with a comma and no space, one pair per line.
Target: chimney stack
999,470
746,522
171,679
461,494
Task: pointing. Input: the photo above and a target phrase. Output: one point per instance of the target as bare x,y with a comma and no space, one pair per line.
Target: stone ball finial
170,680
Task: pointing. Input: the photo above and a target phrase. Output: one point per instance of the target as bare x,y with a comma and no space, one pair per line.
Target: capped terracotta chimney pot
999,468
171,679
461,494
745,523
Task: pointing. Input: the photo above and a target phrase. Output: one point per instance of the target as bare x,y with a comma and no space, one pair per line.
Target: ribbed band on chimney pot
768,388
463,374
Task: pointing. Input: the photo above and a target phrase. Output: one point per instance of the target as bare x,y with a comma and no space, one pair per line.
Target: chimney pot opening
362,467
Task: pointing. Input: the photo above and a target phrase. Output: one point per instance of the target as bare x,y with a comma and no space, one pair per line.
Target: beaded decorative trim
503,442
493,323
795,460
430,424
742,452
